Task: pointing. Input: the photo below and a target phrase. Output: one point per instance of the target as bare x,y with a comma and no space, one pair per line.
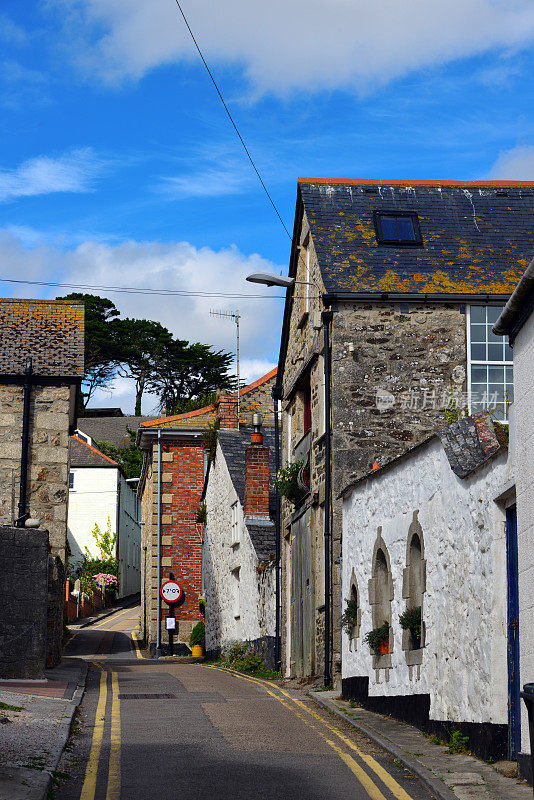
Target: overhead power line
140,290
245,148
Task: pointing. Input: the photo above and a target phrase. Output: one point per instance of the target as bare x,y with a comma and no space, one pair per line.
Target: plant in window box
410,620
349,617
287,480
378,639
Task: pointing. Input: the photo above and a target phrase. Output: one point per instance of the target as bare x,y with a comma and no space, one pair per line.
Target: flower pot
197,651
384,647
416,641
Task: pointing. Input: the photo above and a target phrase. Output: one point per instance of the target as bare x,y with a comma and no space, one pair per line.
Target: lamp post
268,279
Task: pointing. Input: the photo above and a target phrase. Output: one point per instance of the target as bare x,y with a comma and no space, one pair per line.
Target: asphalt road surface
160,730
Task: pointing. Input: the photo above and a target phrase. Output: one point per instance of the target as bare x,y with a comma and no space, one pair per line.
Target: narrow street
167,729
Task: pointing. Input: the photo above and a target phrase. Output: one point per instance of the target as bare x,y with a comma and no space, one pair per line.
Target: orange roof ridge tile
95,450
413,182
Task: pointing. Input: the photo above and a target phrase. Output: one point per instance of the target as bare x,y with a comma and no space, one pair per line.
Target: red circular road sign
171,591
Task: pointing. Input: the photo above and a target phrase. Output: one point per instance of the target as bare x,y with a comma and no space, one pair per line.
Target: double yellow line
114,770
296,706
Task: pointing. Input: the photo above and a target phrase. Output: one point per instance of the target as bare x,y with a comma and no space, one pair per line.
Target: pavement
451,776
33,738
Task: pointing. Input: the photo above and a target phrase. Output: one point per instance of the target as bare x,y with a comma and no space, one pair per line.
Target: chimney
227,410
257,474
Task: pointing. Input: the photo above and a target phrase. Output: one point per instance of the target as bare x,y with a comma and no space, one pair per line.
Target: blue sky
118,164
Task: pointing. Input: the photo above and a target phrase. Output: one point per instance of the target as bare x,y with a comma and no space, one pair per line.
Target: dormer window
397,228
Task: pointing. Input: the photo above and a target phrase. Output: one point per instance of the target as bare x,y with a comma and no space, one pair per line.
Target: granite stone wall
48,458
393,368
23,602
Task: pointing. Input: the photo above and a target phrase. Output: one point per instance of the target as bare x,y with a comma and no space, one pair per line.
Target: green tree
142,344
100,350
130,458
187,375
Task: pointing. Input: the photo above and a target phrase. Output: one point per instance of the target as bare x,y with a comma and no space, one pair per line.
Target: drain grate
162,696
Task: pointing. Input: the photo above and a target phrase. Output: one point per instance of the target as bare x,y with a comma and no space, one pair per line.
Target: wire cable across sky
140,290
245,148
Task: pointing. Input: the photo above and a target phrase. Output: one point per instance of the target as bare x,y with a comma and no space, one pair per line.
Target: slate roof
84,455
234,444
111,429
468,443
478,237
51,332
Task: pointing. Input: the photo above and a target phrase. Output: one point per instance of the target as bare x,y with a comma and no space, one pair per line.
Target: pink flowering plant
106,579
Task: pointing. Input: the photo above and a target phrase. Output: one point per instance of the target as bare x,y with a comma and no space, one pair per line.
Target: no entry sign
171,591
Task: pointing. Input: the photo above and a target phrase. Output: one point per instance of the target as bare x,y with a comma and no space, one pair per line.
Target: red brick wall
185,546
257,481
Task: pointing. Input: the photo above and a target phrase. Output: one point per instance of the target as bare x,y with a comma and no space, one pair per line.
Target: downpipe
23,514
327,317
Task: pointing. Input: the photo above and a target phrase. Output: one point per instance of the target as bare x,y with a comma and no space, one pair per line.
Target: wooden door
302,623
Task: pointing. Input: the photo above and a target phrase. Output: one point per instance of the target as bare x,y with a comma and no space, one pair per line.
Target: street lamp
269,279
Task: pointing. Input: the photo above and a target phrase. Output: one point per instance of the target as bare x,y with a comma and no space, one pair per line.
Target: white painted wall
93,499
254,616
523,416
464,606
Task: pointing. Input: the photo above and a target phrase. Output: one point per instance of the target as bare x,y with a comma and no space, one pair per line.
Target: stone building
410,276
184,441
517,321
51,334
100,494
426,534
41,368
238,554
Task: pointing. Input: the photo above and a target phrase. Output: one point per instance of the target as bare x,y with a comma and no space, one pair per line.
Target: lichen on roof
50,332
477,236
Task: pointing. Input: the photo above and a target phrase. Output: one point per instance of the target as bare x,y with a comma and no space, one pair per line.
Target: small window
235,524
71,480
491,379
395,228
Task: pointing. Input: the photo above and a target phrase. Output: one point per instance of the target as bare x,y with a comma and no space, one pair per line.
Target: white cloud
11,32
516,164
155,265
254,368
208,183
72,172
284,45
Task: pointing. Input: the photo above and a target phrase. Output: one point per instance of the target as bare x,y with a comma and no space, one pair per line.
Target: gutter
329,298
519,306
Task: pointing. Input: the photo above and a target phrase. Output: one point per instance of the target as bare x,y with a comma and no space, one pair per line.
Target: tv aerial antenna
235,316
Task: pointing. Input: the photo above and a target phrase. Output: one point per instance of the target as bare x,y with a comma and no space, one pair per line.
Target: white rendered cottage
98,492
239,542
428,530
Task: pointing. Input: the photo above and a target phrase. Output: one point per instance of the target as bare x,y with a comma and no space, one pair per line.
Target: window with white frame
490,379
235,524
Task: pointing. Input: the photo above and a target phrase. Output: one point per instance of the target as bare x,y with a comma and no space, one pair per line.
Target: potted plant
349,617
196,640
378,639
410,620
287,480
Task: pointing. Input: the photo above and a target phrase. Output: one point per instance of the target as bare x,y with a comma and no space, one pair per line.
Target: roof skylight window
397,228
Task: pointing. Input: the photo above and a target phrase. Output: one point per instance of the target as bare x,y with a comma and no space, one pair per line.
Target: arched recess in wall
413,588
381,595
354,596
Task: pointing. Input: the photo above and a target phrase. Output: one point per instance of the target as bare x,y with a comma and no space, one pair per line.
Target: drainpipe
23,514
158,630
277,394
326,317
